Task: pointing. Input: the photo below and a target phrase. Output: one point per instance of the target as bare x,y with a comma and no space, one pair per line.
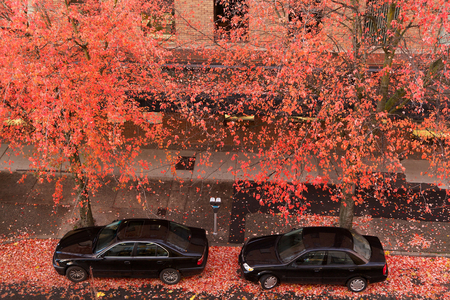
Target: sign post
215,203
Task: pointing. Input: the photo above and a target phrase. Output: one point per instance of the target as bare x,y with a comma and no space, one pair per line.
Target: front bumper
59,269
248,275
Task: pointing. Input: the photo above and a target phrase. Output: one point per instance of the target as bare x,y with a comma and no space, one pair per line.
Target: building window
376,20
231,19
305,16
160,20
444,35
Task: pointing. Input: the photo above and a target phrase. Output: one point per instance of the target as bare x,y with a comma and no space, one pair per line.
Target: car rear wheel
357,284
76,274
268,281
170,276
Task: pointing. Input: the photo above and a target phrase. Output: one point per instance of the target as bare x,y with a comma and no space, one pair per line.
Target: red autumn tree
68,72
302,68
341,91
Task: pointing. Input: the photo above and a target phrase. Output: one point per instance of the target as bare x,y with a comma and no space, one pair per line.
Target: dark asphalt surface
426,203
83,291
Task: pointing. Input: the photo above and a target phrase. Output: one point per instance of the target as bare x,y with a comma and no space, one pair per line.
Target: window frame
152,243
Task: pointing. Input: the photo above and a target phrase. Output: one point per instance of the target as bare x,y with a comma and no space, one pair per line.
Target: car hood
79,241
261,251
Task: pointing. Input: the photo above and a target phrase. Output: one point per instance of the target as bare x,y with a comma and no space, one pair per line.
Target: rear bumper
197,270
377,279
191,271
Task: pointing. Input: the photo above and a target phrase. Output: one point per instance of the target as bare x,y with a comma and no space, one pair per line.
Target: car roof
143,229
327,237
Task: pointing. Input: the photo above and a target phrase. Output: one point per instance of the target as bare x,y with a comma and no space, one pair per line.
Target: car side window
339,258
150,249
161,252
122,249
311,258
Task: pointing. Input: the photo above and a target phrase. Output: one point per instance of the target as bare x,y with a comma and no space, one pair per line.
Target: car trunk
198,241
377,249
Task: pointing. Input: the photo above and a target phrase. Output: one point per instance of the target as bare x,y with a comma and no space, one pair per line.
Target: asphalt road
82,291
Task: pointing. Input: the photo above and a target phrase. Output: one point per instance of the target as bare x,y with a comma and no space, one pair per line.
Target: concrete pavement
27,208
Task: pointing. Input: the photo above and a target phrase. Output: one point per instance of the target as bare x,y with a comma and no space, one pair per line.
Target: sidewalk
180,195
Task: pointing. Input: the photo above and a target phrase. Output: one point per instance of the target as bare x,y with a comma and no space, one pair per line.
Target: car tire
357,284
268,281
76,274
170,276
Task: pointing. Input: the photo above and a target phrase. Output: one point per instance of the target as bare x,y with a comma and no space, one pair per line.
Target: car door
114,262
307,268
338,268
149,259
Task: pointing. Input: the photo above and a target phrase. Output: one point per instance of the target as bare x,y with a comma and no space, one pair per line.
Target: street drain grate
185,163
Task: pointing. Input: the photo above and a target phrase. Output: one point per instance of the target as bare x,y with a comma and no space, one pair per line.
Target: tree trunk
347,208
83,201
86,219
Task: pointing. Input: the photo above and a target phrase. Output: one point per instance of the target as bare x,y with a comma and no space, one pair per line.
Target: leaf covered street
27,272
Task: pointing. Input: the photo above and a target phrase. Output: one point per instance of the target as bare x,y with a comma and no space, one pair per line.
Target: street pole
215,203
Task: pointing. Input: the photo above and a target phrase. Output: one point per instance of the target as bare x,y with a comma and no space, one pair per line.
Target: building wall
194,20
265,20
267,24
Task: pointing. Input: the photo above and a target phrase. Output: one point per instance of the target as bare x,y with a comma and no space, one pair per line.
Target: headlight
62,262
247,267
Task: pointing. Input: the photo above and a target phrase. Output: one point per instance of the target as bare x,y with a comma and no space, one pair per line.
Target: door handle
127,262
159,262
351,270
317,269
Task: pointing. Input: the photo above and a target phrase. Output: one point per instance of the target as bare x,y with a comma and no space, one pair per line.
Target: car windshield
106,236
290,245
179,236
361,245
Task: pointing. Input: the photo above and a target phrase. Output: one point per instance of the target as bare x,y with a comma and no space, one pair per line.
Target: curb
422,254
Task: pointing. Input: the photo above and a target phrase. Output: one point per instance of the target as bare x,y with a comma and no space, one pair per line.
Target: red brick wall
265,20
194,20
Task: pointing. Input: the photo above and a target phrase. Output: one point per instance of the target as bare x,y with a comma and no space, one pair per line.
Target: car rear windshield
179,236
361,245
290,245
106,236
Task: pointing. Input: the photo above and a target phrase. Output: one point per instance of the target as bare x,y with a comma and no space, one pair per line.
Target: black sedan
132,248
315,255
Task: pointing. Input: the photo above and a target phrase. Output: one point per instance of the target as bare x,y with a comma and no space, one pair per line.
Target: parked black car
133,248
315,255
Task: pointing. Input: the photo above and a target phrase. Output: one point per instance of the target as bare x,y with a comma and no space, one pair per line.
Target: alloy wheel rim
357,285
270,282
170,276
76,274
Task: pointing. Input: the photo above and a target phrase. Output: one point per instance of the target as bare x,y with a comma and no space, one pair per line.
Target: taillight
385,270
200,260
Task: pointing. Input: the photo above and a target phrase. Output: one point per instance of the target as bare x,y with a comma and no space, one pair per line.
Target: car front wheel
76,274
170,276
357,284
268,281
